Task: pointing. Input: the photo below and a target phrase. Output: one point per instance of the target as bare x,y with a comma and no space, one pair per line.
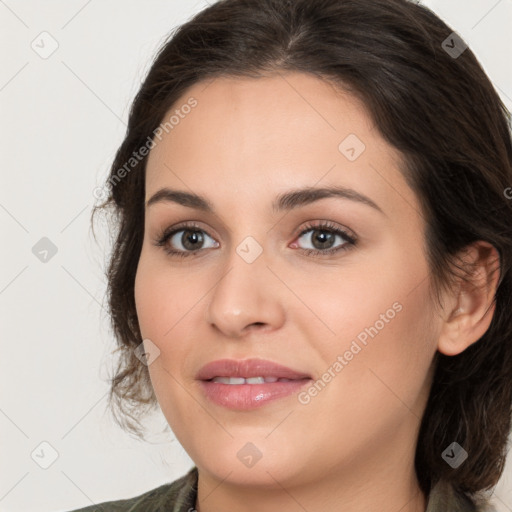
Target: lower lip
249,396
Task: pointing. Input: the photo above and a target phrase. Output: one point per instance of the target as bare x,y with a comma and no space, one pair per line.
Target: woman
312,269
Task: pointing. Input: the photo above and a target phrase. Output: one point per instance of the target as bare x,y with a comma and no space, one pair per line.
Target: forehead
264,115
279,132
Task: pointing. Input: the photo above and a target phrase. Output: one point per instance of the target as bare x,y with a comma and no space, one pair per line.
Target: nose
246,298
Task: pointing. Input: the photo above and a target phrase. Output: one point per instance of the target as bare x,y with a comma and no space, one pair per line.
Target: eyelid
191,225
328,226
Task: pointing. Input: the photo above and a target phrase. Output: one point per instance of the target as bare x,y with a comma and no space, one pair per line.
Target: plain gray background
63,117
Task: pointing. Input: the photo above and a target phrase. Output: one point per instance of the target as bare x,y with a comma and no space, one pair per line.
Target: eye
322,239
189,239
185,240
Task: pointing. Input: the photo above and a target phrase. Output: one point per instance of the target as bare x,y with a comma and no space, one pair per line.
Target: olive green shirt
180,496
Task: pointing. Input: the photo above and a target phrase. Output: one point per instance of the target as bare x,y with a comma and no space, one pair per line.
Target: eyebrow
287,201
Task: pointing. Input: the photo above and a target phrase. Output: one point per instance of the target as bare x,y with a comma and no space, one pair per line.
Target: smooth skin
247,142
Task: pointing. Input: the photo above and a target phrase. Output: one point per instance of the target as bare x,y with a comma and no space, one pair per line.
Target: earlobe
473,305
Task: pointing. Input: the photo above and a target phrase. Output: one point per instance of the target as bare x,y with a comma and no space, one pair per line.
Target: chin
253,464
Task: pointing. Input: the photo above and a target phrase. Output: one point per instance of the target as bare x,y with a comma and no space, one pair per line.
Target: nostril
256,324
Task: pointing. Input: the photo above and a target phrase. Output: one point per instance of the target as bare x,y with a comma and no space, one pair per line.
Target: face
331,285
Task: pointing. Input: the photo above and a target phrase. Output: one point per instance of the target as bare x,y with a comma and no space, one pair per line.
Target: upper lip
248,368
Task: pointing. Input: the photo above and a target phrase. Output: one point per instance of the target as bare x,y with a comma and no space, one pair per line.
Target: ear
471,305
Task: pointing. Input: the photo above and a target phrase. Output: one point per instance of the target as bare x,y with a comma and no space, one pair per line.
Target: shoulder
177,496
444,497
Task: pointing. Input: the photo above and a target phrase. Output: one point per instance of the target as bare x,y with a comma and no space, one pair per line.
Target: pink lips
249,396
247,368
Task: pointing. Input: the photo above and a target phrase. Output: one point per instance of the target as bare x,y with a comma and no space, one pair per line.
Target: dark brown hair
438,109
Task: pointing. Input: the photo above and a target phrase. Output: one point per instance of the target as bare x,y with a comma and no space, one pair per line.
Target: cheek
162,315
162,298
168,304
378,315
397,345
379,291
381,381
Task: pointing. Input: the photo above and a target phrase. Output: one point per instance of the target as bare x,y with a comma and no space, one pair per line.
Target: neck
384,481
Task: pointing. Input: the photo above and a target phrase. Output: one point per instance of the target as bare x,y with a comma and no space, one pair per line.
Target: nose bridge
242,295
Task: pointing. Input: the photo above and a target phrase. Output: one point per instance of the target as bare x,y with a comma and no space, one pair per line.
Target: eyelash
163,238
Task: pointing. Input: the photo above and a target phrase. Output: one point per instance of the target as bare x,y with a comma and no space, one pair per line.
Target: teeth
255,380
249,380
229,380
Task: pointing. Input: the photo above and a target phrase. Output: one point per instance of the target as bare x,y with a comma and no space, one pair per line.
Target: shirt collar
442,497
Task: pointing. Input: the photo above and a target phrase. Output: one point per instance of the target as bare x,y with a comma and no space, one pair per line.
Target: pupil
191,239
325,239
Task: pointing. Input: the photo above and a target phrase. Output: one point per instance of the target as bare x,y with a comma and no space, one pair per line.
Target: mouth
249,384
248,369
249,380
